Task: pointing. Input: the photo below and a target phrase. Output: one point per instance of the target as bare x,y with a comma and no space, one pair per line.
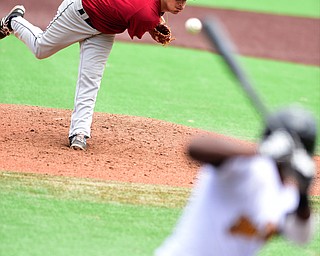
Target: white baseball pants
68,27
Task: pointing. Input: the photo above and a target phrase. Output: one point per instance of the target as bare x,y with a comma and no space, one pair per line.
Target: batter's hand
279,146
304,168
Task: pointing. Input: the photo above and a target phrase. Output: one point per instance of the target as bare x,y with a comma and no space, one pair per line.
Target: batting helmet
298,122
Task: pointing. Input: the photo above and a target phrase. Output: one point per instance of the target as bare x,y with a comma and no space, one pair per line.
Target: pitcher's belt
85,17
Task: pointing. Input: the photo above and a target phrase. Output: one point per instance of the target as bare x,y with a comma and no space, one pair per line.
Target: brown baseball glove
162,34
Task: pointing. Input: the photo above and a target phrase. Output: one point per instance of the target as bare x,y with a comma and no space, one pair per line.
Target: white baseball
193,25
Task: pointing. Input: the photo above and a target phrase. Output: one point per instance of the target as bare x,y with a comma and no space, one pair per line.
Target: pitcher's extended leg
94,53
66,28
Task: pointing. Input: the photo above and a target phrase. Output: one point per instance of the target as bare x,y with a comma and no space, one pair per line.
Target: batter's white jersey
231,210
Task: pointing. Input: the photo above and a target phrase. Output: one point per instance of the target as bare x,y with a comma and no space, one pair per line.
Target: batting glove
279,146
304,168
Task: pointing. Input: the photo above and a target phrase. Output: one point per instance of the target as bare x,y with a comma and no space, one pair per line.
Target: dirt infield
123,148
136,149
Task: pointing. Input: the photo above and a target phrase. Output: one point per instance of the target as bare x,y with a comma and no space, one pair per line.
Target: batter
243,197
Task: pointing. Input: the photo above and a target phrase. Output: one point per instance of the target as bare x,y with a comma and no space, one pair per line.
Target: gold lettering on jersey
244,227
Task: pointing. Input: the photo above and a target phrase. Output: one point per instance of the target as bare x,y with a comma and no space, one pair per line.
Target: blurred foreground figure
244,196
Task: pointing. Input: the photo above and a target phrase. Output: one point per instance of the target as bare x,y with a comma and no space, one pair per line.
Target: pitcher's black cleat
5,22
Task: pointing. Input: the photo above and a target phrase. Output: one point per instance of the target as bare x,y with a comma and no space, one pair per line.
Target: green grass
48,215
205,97
45,215
31,225
307,8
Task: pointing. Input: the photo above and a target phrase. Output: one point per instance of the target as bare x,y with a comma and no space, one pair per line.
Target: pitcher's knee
41,55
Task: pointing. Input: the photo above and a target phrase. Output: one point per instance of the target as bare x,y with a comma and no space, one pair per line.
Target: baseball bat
224,46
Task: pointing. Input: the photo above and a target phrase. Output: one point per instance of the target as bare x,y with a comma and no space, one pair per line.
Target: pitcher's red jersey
115,16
